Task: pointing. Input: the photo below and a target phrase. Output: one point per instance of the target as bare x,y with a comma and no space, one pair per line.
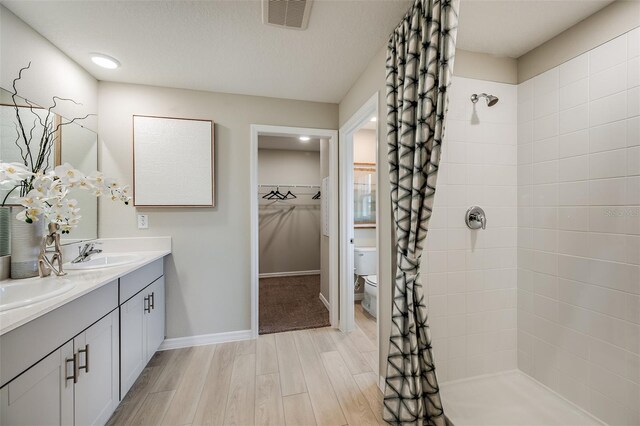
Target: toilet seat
371,280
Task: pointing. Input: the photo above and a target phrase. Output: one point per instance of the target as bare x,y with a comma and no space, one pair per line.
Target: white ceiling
219,46
514,27
223,46
288,143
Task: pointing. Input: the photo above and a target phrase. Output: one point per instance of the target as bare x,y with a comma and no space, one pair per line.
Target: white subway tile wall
578,277
470,276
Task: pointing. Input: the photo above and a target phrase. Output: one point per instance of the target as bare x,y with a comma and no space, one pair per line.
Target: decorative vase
5,225
25,246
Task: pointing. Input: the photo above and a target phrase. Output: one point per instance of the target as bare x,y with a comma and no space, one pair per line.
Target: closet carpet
291,303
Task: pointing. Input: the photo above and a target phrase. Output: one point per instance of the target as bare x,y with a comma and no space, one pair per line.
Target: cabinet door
155,318
41,395
133,349
96,392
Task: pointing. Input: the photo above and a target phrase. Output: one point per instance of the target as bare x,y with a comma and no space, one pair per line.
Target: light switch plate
143,221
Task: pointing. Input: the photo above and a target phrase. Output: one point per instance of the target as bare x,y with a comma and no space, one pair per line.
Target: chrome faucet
85,252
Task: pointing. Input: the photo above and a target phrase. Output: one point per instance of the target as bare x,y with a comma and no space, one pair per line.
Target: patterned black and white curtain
419,68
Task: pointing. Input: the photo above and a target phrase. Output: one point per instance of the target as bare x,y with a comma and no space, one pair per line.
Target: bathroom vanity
71,358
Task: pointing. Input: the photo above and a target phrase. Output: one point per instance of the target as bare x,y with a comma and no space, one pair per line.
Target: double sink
16,294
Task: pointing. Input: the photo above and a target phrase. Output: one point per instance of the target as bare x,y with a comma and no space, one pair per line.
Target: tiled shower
552,286
579,229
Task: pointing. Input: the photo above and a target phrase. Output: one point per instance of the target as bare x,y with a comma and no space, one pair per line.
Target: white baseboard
326,303
288,274
205,339
358,296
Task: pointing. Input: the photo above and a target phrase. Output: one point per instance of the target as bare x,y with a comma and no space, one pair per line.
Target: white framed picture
173,162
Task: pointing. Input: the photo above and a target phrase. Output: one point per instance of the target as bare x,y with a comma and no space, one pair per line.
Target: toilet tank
364,260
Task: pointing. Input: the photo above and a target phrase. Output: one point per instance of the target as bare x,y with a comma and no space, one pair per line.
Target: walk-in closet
290,207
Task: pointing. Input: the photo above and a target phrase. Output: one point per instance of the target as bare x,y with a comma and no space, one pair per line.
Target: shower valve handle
475,218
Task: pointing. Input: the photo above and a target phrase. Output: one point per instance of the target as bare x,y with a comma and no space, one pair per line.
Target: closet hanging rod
288,186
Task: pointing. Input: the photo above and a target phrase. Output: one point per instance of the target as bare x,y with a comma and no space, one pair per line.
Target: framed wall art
173,162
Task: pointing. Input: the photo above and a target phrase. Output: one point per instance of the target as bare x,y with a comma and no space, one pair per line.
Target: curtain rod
288,186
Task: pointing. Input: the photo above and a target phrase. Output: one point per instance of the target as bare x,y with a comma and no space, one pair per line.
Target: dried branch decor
43,192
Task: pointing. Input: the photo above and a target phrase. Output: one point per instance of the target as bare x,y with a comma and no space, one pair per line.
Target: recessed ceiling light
304,138
374,119
105,61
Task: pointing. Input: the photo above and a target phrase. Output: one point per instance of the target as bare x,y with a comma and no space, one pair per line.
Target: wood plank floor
306,377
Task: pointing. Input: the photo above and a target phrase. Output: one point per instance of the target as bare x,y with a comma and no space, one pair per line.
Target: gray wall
372,80
51,73
289,230
208,276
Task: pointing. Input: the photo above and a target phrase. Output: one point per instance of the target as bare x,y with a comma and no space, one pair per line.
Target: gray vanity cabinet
76,384
96,390
41,395
142,320
155,318
132,341
71,366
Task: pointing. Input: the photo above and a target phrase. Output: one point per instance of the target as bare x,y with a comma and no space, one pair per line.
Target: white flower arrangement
47,196
43,192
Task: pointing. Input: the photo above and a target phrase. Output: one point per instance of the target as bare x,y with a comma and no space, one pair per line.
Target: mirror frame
373,167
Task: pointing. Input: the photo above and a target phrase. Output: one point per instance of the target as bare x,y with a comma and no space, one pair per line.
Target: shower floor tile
510,398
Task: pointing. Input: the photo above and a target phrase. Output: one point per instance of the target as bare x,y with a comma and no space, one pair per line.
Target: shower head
491,100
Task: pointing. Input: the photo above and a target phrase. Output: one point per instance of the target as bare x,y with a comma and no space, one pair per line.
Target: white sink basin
103,261
17,294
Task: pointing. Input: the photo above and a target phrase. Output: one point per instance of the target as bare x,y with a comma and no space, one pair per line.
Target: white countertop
85,281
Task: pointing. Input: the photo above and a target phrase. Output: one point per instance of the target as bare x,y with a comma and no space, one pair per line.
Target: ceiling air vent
286,13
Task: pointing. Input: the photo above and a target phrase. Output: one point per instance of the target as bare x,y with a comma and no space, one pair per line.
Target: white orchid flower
58,190
111,183
30,214
34,199
14,172
85,183
98,179
67,174
47,196
42,183
57,217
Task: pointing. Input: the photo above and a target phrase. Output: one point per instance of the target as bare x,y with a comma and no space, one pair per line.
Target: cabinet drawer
132,283
26,345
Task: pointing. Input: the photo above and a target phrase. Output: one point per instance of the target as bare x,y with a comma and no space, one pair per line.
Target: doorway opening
294,261
359,258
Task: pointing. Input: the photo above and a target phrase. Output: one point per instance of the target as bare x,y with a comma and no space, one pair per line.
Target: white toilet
365,266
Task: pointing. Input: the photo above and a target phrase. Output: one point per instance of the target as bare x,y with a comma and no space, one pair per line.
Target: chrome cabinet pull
84,367
74,376
147,304
152,303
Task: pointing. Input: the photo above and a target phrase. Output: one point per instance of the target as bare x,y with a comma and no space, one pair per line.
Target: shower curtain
419,66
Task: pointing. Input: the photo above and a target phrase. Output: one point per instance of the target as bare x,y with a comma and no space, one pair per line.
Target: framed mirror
364,181
74,144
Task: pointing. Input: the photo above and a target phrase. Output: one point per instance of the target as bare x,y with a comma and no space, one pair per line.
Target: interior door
347,321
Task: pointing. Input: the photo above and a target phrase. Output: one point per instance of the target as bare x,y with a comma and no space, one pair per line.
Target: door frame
360,117
332,135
